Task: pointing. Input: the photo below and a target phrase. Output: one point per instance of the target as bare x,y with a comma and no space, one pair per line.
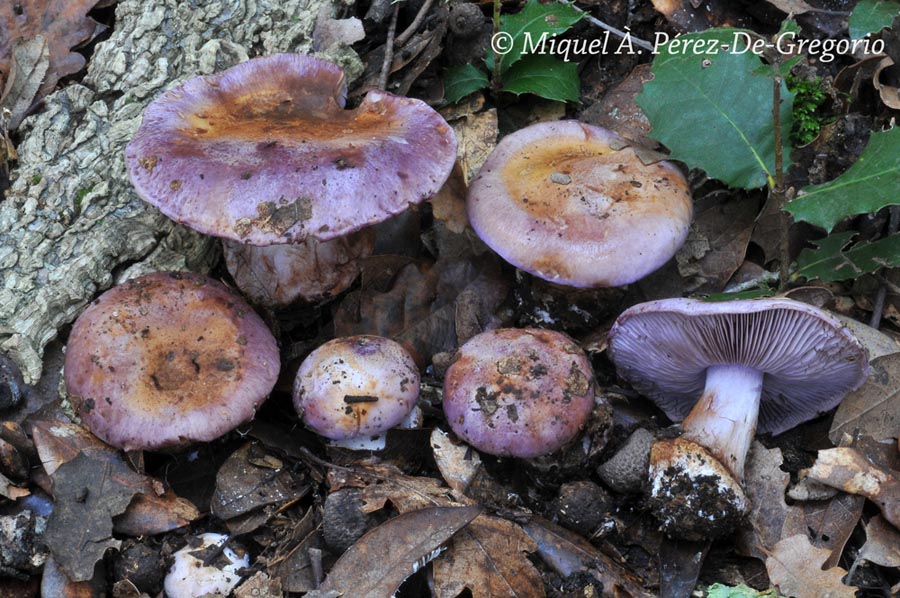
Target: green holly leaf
870,184
460,81
544,76
831,261
871,16
713,111
524,30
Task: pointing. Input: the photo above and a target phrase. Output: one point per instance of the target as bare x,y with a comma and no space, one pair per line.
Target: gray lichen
72,225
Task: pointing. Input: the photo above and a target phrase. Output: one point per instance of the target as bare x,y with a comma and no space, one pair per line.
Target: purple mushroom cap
519,392
809,360
573,204
264,153
168,359
356,387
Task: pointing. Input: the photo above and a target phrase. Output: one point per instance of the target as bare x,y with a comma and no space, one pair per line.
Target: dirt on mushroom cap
167,359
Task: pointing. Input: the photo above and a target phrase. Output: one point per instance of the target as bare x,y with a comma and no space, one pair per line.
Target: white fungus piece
189,578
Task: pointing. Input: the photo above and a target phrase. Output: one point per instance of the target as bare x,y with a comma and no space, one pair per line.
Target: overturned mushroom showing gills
168,359
573,204
519,392
264,153
725,370
353,389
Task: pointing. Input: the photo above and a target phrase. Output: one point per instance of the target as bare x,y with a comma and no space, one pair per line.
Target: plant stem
777,192
411,30
389,50
495,76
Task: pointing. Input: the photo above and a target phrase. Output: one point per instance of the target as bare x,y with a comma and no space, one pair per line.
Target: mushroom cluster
574,204
725,370
264,154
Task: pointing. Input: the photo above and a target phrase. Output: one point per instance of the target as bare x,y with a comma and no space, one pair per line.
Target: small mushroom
198,571
725,370
353,389
573,204
519,392
168,359
264,153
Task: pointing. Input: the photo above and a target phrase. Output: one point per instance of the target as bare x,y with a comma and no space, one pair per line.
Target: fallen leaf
791,7
849,470
476,135
489,557
28,68
882,545
291,563
827,524
88,492
619,112
890,95
63,23
795,566
717,242
873,408
680,562
457,462
246,482
9,490
54,582
155,510
690,16
449,204
259,585
406,493
331,32
377,563
765,484
567,553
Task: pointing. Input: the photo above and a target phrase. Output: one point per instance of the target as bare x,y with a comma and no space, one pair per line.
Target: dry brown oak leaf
795,566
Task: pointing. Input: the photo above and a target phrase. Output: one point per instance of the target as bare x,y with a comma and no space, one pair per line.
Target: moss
81,194
809,111
35,179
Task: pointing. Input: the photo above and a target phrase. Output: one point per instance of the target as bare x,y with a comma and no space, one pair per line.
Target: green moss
35,179
809,109
81,194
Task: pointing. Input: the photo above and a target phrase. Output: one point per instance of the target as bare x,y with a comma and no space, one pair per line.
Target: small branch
617,32
388,50
881,295
764,278
777,192
495,76
411,30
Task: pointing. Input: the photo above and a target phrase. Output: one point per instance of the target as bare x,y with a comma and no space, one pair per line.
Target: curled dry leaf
827,524
458,463
28,68
849,470
890,95
765,484
489,557
795,566
63,23
477,137
875,406
151,512
377,563
882,545
566,553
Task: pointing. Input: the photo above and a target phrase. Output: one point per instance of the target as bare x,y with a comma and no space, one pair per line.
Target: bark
71,225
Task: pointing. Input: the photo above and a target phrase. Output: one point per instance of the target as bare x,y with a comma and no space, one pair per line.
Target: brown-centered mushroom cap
264,153
168,359
573,204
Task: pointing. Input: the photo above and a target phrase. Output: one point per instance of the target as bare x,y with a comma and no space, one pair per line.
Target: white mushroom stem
724,419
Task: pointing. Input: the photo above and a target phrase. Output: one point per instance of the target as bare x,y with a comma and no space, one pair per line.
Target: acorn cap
809,359
573,204
168,359
264,153
519,392
356,387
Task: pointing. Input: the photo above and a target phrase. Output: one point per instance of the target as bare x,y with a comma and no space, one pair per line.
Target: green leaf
531,24
867,186
460,81
713,112
718,590
830,261
871,16
544,76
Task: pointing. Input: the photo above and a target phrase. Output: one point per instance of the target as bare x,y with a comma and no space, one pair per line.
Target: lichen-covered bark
72,225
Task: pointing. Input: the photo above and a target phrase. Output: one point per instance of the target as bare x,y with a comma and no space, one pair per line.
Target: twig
388,50
878,307
765,277
617,32
495,76
777,192
410,31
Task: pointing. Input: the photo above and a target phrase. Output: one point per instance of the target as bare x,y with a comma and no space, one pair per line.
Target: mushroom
191,575
353,389
725,370
168,359
519,392
264,153
573,204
